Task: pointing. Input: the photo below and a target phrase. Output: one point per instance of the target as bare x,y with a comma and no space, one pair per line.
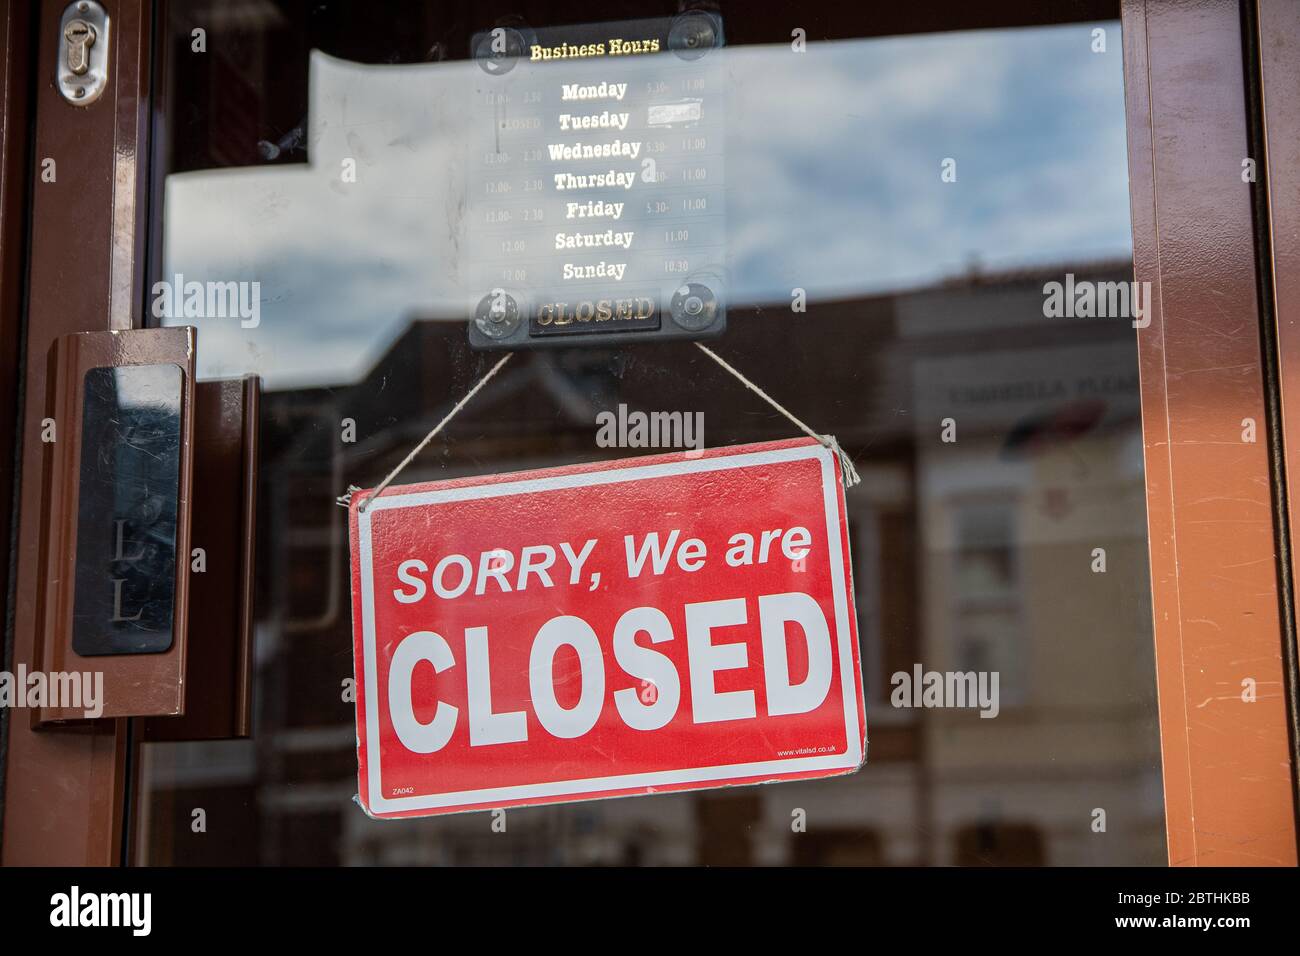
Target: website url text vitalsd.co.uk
804,751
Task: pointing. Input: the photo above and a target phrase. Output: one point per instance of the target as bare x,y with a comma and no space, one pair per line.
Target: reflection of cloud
1034,119
832,172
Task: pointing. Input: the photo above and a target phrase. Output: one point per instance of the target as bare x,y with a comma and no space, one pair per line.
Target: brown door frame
1220,638
1275,34
15,174
64,789
1229,771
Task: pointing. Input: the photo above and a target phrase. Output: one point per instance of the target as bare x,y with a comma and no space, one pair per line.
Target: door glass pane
925,244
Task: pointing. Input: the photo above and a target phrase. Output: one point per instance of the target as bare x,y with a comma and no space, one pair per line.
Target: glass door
902,220
935,234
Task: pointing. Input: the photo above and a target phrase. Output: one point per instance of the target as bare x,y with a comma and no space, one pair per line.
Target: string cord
851,476
455,409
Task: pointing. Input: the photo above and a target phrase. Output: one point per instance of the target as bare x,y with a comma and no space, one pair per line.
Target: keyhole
81,37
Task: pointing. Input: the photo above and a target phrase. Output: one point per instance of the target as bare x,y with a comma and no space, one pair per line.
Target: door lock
83,52
80,37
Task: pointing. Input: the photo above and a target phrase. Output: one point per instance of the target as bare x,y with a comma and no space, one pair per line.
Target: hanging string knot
850,473
379,490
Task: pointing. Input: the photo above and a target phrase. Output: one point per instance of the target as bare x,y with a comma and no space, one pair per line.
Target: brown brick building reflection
973,555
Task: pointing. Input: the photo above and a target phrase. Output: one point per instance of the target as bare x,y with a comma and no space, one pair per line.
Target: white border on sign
850,758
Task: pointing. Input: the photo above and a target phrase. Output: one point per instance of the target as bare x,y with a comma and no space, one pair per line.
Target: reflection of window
1000,844
838,846
863,545
883,548
973,653
986,596
724,824
986,561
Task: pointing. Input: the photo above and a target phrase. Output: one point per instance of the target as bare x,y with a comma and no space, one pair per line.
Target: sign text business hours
596,184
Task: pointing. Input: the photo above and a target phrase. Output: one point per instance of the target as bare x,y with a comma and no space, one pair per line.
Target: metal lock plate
83,52
113,595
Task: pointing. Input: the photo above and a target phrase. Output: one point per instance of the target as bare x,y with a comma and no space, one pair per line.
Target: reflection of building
970,555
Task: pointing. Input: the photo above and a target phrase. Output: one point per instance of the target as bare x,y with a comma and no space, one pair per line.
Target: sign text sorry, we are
663,623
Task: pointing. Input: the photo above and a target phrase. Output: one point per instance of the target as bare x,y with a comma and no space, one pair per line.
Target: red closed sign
664,623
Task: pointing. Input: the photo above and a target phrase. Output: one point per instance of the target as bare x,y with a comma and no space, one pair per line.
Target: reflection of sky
832,171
